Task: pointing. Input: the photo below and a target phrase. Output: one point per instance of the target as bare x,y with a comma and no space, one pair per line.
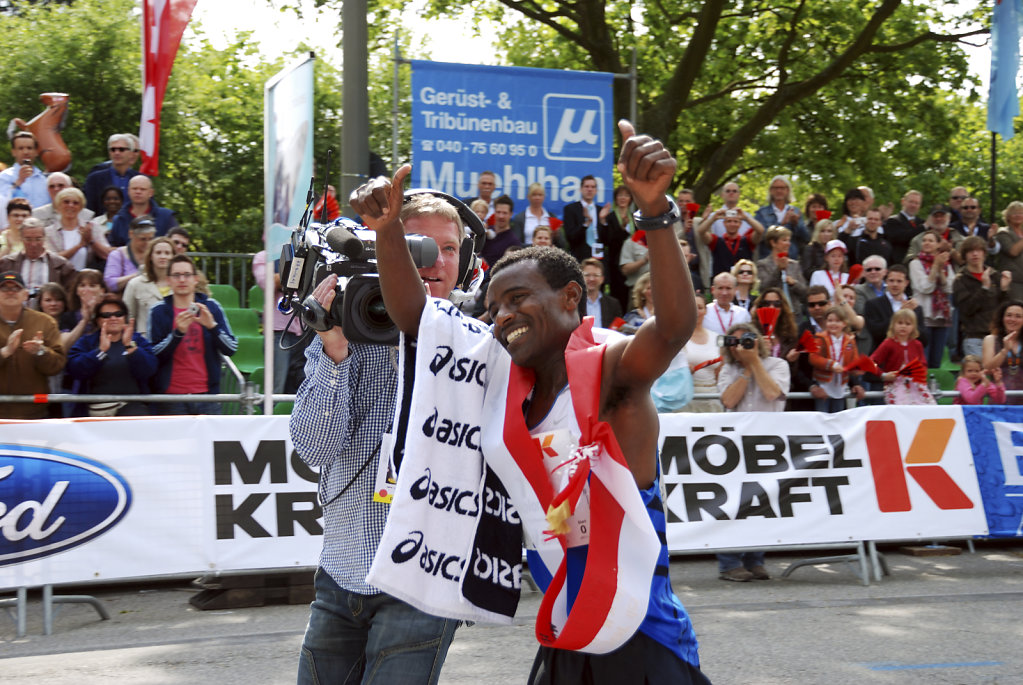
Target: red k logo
921,462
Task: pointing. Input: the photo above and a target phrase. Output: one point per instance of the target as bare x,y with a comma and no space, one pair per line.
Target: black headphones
472,243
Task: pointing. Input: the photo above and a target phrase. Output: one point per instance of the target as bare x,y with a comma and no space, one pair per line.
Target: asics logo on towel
460,370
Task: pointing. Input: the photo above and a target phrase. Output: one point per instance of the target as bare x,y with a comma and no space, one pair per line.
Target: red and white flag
163,24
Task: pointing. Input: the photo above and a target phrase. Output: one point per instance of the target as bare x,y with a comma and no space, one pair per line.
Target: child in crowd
837,351
973,385
899,348
834,272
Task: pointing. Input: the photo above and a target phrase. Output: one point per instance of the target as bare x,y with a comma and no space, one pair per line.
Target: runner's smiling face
531,319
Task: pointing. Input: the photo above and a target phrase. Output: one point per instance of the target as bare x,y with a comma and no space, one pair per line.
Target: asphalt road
951,619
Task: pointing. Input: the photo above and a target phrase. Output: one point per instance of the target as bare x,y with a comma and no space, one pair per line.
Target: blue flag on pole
1003,100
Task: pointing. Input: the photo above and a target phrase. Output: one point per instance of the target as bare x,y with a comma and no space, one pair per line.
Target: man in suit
902,227
879,310
581,221
602,308
35,264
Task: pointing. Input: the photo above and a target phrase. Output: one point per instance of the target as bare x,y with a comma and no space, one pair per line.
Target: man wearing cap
940,220
833,274
30,350
140,201
35,264
729,248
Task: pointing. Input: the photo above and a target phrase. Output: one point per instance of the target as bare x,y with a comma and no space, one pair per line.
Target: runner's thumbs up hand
379,201
647,169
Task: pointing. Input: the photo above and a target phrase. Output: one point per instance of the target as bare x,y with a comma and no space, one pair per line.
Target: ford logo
51,501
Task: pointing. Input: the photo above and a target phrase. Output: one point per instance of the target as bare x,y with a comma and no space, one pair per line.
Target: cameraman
340,423
750,380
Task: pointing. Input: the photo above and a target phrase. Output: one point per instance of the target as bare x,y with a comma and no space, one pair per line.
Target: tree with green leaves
211,144
836,94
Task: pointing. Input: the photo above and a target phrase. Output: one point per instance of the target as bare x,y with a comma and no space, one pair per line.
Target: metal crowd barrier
250,398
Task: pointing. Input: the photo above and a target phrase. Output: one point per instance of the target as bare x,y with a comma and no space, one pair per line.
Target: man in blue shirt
23,179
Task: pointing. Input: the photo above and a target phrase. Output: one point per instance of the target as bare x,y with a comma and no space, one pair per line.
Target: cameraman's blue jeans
353,638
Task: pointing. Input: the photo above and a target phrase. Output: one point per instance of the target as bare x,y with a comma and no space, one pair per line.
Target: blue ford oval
52,501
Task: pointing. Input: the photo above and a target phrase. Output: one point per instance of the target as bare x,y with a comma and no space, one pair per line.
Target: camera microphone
343,241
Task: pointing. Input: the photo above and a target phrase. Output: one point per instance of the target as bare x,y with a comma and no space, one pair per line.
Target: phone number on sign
514,149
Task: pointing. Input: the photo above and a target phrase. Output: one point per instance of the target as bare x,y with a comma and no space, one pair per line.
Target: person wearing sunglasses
113,360
123,150
970,224
956,197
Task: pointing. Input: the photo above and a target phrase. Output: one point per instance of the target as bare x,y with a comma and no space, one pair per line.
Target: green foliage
834,94
211,143
90,51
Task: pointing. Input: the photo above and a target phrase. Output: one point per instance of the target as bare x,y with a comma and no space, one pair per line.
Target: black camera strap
324,505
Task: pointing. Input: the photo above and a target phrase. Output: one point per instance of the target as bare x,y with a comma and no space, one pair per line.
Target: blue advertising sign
996,439
545,126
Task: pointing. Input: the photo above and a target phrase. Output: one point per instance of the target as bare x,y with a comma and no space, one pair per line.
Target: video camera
746,341
345,248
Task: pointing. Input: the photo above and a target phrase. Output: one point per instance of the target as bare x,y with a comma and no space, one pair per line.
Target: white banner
873,473
113,498
104,499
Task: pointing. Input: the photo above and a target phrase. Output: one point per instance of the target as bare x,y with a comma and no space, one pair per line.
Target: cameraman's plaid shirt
341,411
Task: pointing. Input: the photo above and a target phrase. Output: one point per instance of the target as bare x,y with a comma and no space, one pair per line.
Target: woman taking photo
113,361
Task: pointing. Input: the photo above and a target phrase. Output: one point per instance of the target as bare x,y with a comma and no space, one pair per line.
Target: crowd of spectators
839,276
96,295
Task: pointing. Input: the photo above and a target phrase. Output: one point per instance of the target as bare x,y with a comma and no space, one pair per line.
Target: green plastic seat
243,321
226,295
249,356
283,408
255,298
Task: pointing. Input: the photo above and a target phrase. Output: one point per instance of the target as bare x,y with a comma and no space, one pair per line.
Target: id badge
387,477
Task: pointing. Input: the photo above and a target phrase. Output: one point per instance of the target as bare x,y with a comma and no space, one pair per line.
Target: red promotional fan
916,370
822,214
855,271
693,207
768,316
808,343
705,364
864,363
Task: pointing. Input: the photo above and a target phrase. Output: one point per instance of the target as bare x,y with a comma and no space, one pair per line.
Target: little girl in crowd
973,385
898,349
837,351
